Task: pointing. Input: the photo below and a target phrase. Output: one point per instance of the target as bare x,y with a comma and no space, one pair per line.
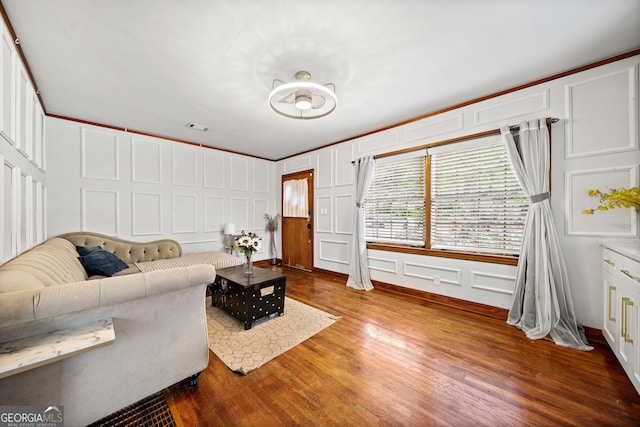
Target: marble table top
30,352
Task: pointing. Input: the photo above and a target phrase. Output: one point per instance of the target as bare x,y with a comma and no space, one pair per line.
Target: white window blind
394,208
476,201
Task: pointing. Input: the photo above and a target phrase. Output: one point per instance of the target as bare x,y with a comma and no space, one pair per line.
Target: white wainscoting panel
344,214
184,209
324,213
146,161
324,170
617,222
99,154
452,276
492,282
602,114
378,142
334,251
8,211
38,133
260,176
201,246
100,211
239,174
343,165
297,163
214,169
146,213
386,265
213,213
7,89
520,106
260,207
434,126
22,118
185,167
40,212
240,213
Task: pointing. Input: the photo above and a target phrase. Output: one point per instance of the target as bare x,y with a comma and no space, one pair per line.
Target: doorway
297,220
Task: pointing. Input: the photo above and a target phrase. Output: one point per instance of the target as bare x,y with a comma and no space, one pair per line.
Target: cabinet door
628,330
611,329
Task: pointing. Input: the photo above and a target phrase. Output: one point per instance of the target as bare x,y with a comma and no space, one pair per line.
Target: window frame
447,253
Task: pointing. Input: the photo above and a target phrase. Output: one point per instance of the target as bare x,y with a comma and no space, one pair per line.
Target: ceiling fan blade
289,99
317,101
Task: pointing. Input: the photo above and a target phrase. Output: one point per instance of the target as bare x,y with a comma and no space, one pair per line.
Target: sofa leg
192,381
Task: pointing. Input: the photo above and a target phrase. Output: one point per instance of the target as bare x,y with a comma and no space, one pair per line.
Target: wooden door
297,231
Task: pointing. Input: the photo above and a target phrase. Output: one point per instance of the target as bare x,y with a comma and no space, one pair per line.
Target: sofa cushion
97,261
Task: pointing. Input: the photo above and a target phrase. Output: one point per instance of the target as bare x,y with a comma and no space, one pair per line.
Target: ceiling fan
303,99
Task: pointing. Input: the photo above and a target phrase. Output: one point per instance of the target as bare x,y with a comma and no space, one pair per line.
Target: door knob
309,226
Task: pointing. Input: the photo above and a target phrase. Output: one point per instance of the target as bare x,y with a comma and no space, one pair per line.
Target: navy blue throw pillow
100,262
86,250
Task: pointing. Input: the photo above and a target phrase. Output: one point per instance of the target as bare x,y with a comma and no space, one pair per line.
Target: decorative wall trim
108,212
493,278
136,200
240,213
324,169
184,166
260,177
386,265
372,144
150,155
452,276
260,207
297,164
344,214
520,106
343,166
614,223
7,88
183,213
214,176
586,127
104,163
239,174
434,126
324,214
324,249
213,213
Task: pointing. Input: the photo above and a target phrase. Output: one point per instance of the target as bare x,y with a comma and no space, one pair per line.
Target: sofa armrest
128,251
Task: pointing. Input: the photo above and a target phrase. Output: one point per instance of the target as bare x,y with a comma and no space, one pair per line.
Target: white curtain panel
359,277
542,303
296,198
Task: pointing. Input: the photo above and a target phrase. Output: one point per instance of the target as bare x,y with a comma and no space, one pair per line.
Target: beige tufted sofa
158,317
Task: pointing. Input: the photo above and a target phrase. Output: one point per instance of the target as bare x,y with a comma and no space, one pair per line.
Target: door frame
309,173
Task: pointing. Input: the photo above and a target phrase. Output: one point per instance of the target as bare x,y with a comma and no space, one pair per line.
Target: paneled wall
23,185
595,145
144,188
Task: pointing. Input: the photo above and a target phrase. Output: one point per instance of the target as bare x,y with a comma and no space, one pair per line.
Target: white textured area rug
245,350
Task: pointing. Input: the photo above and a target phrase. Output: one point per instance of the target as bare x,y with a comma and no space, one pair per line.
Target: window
395,205
474,202
477,203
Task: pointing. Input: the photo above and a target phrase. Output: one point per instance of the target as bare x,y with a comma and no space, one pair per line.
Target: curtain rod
452,140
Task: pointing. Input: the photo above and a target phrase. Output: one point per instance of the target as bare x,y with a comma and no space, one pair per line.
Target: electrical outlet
436,280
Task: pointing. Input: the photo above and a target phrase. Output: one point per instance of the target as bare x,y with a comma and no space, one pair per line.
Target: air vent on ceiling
196,126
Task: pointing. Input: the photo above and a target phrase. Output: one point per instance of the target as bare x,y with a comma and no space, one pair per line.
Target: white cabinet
621,277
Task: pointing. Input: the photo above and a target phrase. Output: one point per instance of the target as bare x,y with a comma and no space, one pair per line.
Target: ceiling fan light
303,102
303,99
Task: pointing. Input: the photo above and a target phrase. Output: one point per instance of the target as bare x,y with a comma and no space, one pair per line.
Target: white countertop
628,248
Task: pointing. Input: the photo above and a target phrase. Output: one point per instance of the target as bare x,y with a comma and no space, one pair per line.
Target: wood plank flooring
397,360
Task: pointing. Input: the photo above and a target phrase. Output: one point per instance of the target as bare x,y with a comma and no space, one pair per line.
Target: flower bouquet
248,243
616,198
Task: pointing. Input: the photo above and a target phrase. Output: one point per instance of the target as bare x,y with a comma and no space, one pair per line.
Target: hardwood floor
397,360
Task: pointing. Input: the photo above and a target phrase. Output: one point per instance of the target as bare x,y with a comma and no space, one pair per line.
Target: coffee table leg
247,325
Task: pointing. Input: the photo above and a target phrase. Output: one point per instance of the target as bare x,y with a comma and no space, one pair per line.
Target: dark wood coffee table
248,298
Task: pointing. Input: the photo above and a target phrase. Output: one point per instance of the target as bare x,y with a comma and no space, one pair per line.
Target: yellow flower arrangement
616,198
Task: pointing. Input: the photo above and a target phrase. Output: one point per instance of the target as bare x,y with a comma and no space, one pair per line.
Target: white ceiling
154,65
